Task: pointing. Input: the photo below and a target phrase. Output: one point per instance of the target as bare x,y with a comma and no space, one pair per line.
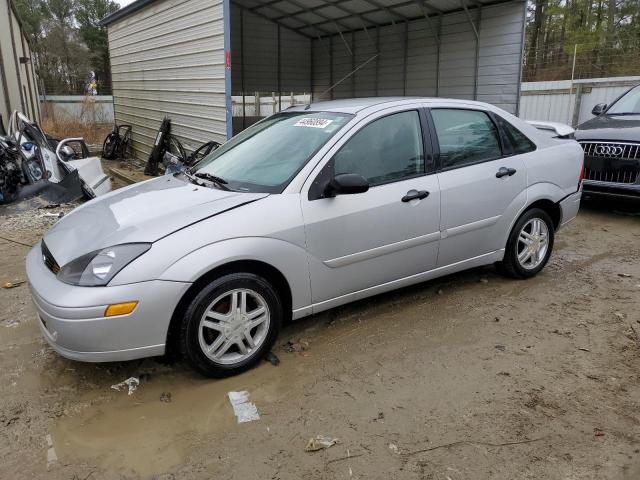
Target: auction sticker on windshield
312,122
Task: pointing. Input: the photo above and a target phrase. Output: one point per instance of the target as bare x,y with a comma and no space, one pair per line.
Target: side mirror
599,109
346,184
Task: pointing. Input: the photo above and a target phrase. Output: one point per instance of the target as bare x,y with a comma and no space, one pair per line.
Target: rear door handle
503,172
415,195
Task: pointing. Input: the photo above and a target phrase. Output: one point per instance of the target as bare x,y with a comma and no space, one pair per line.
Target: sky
124,3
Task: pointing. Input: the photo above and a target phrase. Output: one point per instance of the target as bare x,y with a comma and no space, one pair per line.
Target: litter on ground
131,383
244,410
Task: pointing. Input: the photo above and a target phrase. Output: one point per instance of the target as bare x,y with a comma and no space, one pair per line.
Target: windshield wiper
221,182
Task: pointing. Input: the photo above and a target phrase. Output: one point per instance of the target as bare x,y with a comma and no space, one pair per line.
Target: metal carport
202,62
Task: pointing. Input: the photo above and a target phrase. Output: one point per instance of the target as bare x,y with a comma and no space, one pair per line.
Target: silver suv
309,209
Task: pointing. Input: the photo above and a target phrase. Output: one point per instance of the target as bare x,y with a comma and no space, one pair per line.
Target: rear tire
230,325
529,245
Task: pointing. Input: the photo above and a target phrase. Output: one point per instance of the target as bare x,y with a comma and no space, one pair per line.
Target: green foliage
605,34
68,42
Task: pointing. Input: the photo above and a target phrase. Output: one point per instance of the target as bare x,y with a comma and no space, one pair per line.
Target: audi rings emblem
610,150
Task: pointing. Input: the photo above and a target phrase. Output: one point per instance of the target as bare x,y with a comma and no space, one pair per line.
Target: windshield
266,156
628,104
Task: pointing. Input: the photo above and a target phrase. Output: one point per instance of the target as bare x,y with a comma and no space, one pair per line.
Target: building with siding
18,85
201,61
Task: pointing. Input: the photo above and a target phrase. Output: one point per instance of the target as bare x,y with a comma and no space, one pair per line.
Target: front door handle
503,172
415,195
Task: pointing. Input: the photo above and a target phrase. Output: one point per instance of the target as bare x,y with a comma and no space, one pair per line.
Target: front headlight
98,268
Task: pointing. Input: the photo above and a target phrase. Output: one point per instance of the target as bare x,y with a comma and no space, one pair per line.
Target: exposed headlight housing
97,268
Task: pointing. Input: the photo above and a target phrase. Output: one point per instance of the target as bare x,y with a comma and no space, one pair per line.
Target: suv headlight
99,267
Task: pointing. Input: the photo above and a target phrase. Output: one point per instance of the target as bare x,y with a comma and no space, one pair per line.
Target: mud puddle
122,433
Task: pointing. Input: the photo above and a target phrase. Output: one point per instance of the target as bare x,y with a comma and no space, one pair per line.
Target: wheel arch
552,208
257,267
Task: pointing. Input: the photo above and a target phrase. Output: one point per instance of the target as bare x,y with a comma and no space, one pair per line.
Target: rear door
482,187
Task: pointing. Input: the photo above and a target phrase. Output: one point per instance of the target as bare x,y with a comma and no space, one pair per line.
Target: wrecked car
58,165
307,210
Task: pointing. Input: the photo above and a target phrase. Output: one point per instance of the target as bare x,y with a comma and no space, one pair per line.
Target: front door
363,240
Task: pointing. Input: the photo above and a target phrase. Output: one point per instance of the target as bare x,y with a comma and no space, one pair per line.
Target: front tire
231,324
529,245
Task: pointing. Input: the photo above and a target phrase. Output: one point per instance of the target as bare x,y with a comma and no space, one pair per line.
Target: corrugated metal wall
410,62
258,65
18,84
268,60
555,101
168,59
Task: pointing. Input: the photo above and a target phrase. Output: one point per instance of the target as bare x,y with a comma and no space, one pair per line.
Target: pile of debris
33,221
35,167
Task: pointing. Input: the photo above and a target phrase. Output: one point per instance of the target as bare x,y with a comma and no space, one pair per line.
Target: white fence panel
556,101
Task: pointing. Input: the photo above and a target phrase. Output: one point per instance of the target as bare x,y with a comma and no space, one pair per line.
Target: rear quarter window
514,141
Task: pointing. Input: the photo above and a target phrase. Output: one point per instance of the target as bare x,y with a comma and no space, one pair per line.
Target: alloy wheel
234,326
533,243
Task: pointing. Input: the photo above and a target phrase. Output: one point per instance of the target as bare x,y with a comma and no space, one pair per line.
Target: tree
68,43
88,14
606,33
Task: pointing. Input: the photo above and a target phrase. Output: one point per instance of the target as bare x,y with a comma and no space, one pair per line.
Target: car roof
355,105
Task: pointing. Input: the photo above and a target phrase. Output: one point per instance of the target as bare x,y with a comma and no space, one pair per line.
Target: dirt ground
472,376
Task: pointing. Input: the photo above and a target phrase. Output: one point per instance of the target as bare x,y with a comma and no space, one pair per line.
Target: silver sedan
308,209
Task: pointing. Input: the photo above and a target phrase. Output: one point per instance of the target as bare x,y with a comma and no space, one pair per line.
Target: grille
623,151
48,259
614,176
611,162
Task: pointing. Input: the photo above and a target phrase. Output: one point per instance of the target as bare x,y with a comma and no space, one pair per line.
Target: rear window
465,137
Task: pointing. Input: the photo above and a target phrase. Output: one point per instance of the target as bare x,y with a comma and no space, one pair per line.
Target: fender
538,191
291,260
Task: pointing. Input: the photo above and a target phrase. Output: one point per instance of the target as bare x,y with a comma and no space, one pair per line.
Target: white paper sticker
313,122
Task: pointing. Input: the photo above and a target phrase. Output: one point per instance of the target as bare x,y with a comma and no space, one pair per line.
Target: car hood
624,128
144,212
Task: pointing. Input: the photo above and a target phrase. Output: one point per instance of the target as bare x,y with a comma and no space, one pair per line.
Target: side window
386,150
515,142
465,137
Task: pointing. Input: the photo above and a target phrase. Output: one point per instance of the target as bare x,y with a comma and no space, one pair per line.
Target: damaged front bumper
72,319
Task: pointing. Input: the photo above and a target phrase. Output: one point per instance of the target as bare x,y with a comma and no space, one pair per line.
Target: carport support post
405,54
377,60
244,101
577,104
475,28
279,79
331,64
226,19
438,55
353,63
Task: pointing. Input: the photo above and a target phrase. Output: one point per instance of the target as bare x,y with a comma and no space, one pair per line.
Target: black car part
116,144
169,152
160,147
10,174
176,159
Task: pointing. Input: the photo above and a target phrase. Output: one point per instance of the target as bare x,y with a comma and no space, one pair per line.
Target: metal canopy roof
314,18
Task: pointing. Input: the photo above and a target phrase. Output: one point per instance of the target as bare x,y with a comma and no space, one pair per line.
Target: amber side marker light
120,309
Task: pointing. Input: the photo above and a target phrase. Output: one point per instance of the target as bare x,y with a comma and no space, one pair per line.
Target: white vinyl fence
570,102
95,109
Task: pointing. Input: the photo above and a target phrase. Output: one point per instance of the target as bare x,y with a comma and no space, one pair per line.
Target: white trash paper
132,383
244,410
